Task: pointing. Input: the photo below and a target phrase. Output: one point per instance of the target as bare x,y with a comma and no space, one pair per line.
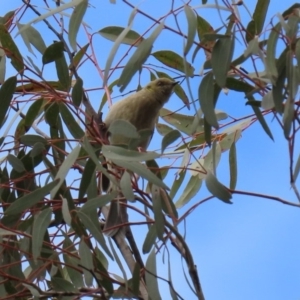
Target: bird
141,109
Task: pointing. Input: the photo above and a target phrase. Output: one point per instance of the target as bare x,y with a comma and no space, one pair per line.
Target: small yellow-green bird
141,109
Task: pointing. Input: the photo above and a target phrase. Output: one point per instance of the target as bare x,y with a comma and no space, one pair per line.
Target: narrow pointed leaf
53,52
77,92
232,166
151,277
116,45
32,37
192,27
217,189
206,98
191,189
11,50
169,138
41,222
262,121
6,94
31,199
271,53
138,58
64,169
131,38
75,21
159,220
174,61
221,59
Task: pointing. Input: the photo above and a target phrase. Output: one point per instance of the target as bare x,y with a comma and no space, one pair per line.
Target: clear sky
247,250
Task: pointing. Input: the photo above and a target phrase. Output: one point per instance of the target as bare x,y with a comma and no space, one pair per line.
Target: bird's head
161,89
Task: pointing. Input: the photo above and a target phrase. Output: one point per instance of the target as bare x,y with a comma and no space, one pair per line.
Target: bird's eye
159,83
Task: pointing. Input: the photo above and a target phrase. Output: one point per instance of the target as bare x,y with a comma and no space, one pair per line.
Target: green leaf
123,128
33,111
6,94
151,276
62,71
191,189
203,27
70,122
222,54
116,45
32,37
30,199
131,38
262,121
238,85
86,259
53,52
232,166
192,27
181,122
31,140
11,50
64,169
271,53
79,55
89,169
41,222
92,224
119,153
169,138
206,98
141,170
62,285
138,58
174,61
217,189
77,92
159,220
92,204
75,21
177,183
126,188
150,239
16,163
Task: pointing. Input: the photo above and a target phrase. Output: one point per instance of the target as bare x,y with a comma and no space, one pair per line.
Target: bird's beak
175,82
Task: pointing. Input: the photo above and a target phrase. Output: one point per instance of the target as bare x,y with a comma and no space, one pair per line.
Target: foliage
52,207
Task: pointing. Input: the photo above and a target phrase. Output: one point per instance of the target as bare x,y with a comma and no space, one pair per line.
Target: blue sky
247,250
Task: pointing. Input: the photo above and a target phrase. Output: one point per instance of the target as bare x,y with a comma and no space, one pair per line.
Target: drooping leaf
159,220
169,138
206,98
62,71
6,94
77,92
11,50
151,277
232,166
41,222
64,169
138,58
191,189
217,189
271,53
75,21
221,59
70,122
192,27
